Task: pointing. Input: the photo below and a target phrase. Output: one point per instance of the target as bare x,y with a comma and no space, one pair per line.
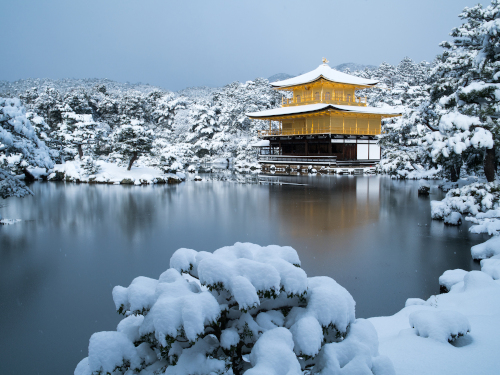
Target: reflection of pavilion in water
333,206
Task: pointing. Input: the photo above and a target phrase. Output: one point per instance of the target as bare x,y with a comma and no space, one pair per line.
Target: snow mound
491,267
486,249
450,278
444,326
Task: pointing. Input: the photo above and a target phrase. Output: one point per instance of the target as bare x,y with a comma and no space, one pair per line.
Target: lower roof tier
277,113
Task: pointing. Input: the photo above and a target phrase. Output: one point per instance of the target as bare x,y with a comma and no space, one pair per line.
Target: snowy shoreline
107,173
423,347
468,309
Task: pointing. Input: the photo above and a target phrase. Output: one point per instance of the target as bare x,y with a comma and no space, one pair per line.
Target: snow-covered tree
191,126
404,87
465,95
132,139
20,148
242,309
18,138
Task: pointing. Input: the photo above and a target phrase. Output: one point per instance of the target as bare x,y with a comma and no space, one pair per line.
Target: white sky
178,44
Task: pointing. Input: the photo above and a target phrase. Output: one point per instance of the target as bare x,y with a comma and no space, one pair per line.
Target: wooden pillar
269,127
306,147
330,146
279,147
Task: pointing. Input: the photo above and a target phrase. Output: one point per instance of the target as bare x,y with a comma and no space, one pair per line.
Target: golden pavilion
323,122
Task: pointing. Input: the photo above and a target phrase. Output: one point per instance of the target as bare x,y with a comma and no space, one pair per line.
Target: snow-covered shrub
453,218
405,163
241,309
444,326
470,199
424,187
485,222
90,166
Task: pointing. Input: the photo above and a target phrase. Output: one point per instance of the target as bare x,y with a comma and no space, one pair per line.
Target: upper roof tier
321,107
329,74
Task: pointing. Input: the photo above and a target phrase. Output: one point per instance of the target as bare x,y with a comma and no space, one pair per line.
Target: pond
58,265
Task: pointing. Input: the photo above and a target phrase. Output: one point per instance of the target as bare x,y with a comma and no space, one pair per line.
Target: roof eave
318,78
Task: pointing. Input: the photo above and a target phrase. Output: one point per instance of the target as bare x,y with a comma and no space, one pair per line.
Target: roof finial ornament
325,61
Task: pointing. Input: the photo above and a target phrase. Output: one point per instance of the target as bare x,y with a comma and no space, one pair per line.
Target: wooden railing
340,100
298,159
319,130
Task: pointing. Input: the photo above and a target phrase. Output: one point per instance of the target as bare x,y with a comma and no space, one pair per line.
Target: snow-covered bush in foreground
242,309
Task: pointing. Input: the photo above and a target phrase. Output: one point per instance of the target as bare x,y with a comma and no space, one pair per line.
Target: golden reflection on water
305,211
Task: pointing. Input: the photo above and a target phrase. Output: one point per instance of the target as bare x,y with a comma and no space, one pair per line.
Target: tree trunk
489,164
134,158
80,151
454,172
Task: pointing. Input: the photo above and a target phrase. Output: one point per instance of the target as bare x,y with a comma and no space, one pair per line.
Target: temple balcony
343,100
319,130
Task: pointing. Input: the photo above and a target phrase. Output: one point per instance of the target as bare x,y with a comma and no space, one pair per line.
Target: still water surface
76,242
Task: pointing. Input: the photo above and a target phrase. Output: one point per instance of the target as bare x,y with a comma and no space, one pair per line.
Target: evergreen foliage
464,97
20,148
243,309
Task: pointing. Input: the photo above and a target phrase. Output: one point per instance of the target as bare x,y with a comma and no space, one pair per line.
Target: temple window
316,96
298,98
327,96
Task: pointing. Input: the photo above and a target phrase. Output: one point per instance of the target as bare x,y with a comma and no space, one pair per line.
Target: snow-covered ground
419,344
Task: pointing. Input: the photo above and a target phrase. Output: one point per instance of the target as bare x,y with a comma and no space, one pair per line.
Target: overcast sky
178,44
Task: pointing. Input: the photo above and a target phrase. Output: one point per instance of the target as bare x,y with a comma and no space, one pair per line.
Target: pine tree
133,139
20,148
465,95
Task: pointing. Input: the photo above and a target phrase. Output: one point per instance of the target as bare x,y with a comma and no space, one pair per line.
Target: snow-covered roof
311,108
324,71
